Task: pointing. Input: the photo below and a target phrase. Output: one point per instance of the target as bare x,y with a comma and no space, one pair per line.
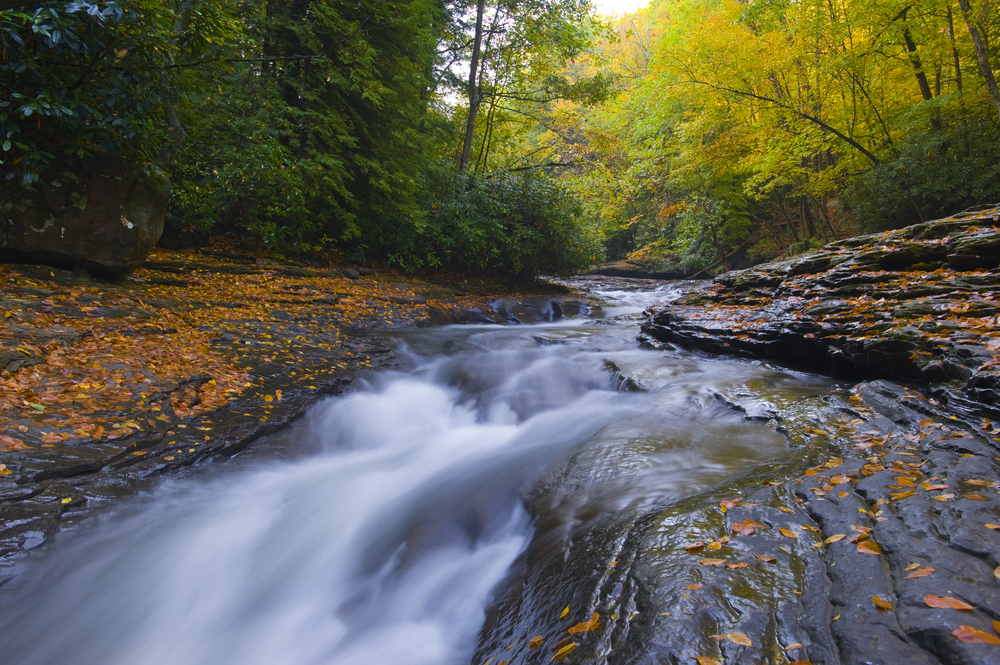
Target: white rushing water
383,547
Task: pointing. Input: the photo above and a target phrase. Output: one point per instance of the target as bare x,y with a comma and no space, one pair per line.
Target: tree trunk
807,220
982,50
954,51
470,125
718,246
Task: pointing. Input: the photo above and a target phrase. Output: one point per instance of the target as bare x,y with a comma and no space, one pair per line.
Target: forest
517,138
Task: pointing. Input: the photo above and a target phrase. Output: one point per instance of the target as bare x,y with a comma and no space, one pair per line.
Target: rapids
409,501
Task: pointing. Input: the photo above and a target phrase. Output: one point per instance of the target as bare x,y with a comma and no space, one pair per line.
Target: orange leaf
535,642
712,562
741,564
788,534
946,602
882,603
933,486
694,547
974,635
766,558
835,538
705,660
693,587
585,626
745,529
869,547
975,497
756,525
921,572
565,651
902,495
993,526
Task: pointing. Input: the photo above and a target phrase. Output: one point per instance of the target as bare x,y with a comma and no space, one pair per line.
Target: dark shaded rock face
104,217
917,304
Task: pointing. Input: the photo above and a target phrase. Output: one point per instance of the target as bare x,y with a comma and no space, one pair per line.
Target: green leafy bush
510,224
933,175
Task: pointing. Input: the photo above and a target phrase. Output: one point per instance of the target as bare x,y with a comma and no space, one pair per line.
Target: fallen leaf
745,529
712,562
739,638
869,547
801,662
974,636
975,497
705,660
912,566
741,564
586,626
992,526
793,645
693,587
835,538
946,602
694,547
766,558
535,642
921,572
944,497
840,479
902,495
565,651
756,525
788,534
716,546
882,603
933,486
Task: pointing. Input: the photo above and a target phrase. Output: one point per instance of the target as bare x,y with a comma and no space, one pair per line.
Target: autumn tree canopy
692,134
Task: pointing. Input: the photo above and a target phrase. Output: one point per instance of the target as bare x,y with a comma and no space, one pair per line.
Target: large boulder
103,215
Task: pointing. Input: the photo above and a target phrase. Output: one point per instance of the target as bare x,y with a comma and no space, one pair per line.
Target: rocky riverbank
918,304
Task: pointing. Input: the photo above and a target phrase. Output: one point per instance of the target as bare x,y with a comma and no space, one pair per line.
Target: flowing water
413,498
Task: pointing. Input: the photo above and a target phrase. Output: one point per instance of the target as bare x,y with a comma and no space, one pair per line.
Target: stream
439,513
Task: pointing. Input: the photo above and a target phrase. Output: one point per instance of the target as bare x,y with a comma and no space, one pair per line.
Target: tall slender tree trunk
981,48
954,51
474,97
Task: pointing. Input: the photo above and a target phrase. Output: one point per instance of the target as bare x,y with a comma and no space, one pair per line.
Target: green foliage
86,77
934,174
512,224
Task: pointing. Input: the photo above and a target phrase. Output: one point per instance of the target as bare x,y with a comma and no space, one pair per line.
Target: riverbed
552,488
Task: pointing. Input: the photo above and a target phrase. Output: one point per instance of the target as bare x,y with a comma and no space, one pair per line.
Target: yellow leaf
705,660
835,538
564,612
67,500
712,562
788,534
912,566
268,398
869,547
794,645
882,603
535,642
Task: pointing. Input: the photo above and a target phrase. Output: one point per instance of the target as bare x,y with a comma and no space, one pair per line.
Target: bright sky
619,6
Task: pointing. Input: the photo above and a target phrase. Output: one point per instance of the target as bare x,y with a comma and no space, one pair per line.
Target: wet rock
103,216
861,307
